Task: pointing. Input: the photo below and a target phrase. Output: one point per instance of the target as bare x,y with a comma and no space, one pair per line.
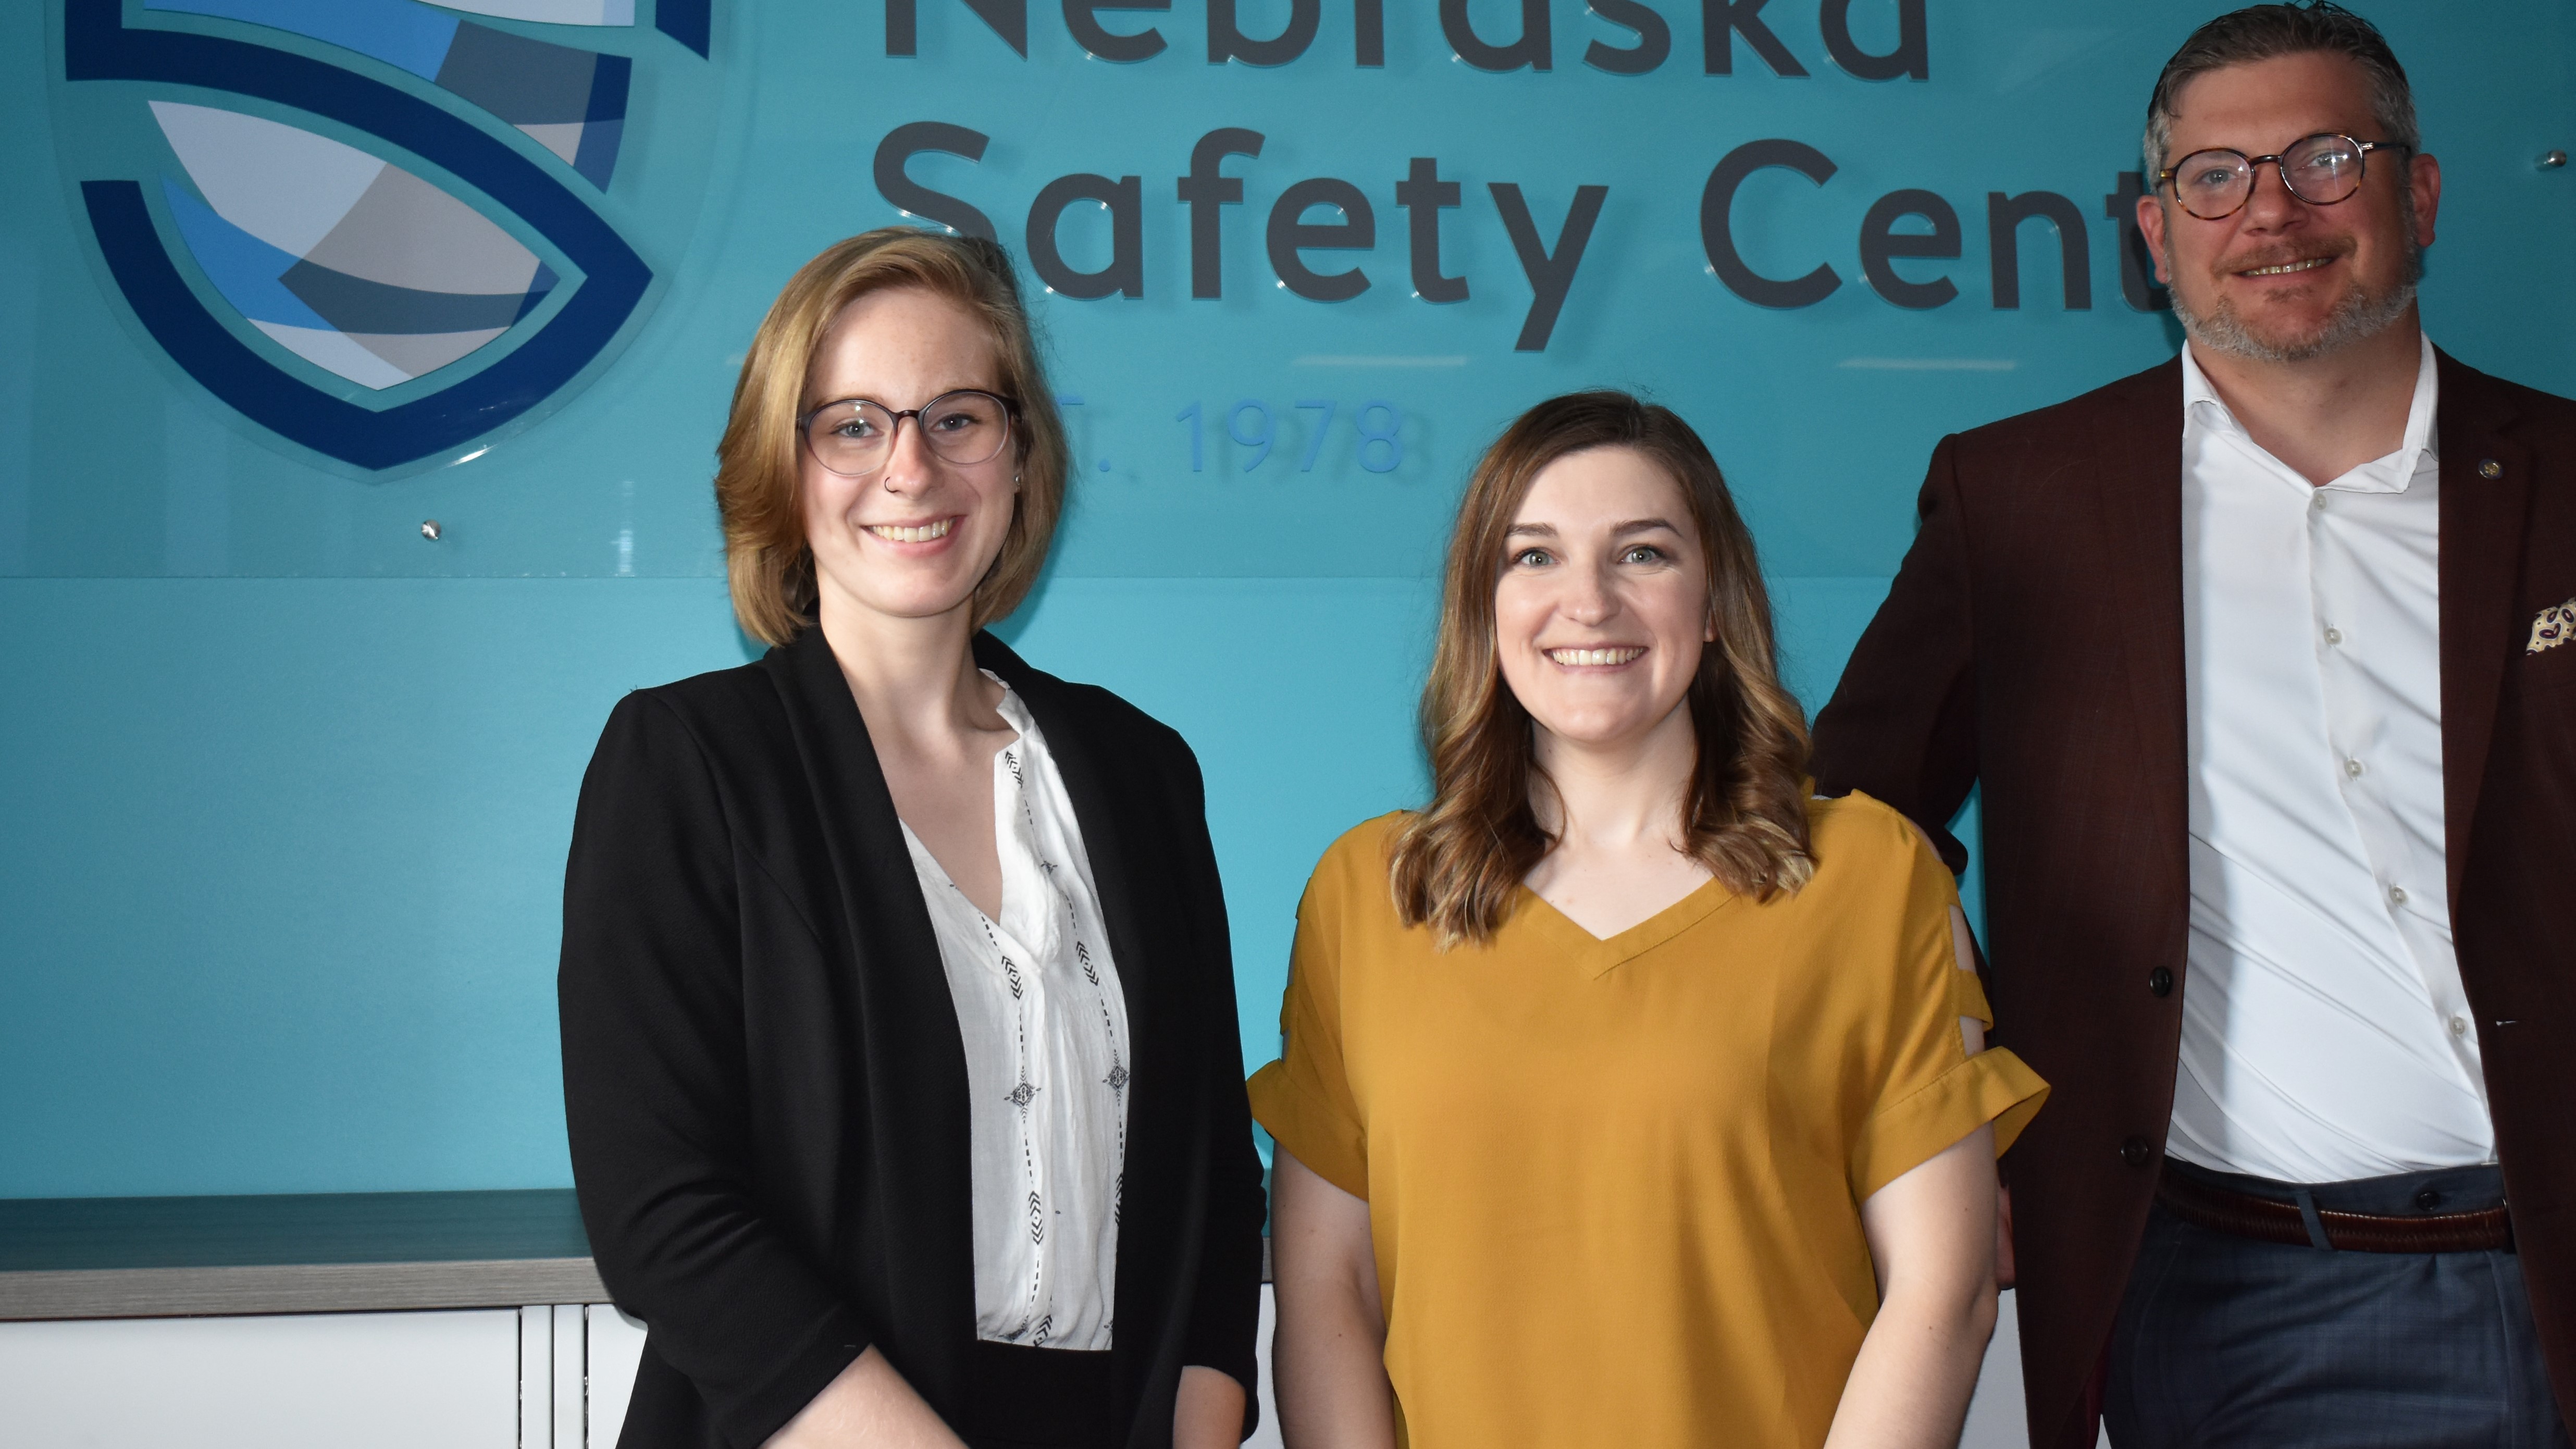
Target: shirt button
2397,895
2318,500
2135,1152
2333,634
2352,768
2459,1026
2160,982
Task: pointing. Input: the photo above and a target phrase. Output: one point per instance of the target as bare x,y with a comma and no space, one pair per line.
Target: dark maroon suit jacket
2033,644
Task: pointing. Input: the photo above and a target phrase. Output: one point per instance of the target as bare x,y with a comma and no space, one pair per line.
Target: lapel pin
2490,469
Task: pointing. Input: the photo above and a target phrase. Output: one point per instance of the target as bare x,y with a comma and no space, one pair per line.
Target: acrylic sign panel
1297,259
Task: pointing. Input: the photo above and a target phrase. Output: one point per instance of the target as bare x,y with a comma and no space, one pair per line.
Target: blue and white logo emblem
380,229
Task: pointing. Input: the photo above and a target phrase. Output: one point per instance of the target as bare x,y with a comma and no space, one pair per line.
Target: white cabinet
1267,1436
550,1376
383,1380
546,1377
614,1343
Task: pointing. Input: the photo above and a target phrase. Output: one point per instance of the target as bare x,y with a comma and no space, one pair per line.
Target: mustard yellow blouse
1615,1185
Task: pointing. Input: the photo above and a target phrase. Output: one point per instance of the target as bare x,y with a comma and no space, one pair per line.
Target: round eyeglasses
2319,170
854,436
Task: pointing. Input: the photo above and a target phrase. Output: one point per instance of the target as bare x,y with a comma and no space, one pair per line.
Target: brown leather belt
2269,1220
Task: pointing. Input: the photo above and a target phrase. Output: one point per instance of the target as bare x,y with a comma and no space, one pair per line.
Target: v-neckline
1599,955
1006,833
922,860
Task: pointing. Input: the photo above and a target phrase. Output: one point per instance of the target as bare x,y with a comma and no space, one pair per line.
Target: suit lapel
907,1049
2482,522
2138,479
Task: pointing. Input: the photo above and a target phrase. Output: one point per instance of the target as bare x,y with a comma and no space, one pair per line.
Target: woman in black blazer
793,957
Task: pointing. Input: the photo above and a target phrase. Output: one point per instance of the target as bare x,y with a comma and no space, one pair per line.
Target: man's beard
2361,314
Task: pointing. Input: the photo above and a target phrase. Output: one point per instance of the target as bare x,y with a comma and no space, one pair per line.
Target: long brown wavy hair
1459,862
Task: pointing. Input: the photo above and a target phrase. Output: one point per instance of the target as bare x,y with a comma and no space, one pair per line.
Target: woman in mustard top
1631,1097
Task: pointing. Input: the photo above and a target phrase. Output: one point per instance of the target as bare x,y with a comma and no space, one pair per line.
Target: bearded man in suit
2261,661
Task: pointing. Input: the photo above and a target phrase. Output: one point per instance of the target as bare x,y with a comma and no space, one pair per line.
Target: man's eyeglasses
2319,170
853,437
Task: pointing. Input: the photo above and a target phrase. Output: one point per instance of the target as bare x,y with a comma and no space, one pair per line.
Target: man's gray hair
2265,32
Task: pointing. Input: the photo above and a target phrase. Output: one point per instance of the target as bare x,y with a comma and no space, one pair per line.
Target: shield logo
381,230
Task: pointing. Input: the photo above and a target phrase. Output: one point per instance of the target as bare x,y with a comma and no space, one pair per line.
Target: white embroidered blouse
1045,1031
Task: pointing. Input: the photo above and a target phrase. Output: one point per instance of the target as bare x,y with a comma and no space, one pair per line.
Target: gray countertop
167,1257
139,1257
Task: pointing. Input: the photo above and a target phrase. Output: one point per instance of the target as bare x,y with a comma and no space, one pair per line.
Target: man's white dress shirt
1045,1029
2325,1033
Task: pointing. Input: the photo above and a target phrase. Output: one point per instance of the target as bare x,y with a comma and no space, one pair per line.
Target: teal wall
285,789
283,858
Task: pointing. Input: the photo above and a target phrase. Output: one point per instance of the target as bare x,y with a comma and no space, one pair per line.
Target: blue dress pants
2224,1341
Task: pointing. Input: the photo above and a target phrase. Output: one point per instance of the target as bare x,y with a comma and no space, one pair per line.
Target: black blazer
763,1078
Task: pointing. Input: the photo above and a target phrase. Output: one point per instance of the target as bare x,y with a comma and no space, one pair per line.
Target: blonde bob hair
759,462
1458,863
